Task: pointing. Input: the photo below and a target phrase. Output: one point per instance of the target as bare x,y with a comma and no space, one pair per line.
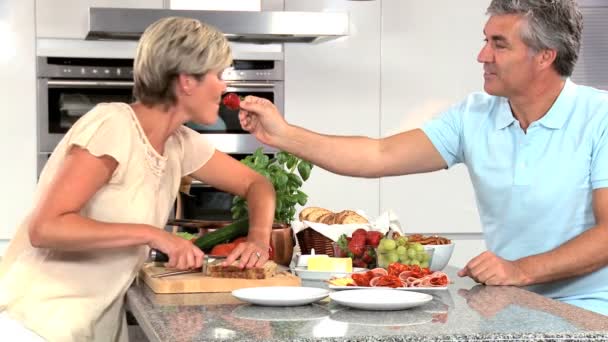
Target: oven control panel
92,72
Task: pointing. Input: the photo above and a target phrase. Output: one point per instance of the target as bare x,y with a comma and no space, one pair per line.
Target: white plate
280,295
440,288
305,274
380,299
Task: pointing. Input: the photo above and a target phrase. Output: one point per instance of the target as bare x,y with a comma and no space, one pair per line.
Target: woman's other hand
262,119
250,253
182,253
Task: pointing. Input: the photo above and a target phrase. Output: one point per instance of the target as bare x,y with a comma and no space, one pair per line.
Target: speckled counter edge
457,338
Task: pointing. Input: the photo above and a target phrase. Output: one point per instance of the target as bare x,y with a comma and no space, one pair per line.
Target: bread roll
304,213
315,215
328,218
348,217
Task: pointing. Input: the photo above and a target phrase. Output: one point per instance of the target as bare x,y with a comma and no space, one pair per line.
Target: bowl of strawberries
360,246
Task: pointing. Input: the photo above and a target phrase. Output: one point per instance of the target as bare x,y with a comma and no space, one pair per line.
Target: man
535,144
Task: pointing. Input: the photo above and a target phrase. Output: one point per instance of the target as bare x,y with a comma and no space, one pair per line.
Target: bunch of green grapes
402,251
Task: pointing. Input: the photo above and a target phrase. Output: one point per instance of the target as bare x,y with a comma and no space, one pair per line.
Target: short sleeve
445,132
197,150
599,156
105,131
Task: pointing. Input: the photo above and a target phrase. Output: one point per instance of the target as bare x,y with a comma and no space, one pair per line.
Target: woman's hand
262,119
250,253
182,253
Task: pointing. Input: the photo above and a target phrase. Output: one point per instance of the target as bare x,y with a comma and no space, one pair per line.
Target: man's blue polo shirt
534,189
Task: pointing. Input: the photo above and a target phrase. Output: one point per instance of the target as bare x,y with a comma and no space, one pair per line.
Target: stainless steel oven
70,87
198,201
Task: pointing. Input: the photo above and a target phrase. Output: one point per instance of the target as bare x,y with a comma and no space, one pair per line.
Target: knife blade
206,260
157,256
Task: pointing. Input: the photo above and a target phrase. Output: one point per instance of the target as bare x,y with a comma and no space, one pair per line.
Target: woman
107,190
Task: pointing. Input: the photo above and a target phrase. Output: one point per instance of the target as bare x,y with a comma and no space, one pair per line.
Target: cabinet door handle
250,84
95,84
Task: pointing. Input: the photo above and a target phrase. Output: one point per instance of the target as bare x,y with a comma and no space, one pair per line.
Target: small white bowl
441,256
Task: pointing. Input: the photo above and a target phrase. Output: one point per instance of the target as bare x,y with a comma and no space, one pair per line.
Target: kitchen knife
157,256
207,259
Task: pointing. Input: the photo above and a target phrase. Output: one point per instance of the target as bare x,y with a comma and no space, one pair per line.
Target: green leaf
304,170
258,153
287,183
279,205
282,157
281,179
261,161
291,161
295,179
301,197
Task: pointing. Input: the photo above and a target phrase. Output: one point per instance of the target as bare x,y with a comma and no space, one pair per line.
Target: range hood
240,26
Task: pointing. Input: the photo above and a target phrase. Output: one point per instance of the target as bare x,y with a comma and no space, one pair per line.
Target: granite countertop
464,312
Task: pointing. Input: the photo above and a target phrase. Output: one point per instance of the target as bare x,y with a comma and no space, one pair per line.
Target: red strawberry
359,231
358,239
232,101
367,258
355,248
373,238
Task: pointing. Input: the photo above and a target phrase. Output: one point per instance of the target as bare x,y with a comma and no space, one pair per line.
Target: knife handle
158,256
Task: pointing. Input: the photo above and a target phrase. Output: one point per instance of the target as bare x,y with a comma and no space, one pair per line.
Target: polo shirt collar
558,113
555,117
504,116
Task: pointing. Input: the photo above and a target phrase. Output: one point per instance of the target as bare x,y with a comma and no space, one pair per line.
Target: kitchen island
464,312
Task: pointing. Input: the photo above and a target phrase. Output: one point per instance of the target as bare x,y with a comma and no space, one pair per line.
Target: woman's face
206,94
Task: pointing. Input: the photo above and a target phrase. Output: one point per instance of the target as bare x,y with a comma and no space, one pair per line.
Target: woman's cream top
78,296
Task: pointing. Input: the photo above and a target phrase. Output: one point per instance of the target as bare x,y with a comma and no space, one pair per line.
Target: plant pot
282,243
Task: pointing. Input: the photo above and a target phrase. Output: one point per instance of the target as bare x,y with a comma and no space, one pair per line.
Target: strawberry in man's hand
232,101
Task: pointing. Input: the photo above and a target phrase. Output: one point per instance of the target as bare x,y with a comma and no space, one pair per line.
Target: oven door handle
89,84
250,84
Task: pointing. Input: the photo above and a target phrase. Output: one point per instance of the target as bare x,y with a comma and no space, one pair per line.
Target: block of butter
325,264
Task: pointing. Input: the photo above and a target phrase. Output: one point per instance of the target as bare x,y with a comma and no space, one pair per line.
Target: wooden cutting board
197,282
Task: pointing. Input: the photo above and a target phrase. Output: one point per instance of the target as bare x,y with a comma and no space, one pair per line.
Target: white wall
334,88
429,62
403,62
18,117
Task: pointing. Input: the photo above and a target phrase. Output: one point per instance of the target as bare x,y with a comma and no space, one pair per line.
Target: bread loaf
322,215
314,214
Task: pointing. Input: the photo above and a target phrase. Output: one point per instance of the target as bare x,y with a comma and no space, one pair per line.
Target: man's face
508,63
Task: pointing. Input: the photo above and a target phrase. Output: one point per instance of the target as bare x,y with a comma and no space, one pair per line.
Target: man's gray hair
549,24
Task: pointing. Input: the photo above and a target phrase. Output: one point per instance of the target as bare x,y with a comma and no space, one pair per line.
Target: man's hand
487,268
262,119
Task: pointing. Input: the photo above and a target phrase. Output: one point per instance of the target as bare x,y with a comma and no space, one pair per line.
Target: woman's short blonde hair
173,46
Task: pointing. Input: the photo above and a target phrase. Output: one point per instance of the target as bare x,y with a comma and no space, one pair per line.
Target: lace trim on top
156,162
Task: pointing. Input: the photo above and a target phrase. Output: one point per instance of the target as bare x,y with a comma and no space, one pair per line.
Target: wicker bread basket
309,238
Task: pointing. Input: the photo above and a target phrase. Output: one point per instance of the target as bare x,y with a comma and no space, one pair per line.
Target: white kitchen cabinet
334,87
214,5
68,19
18,118
429,51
